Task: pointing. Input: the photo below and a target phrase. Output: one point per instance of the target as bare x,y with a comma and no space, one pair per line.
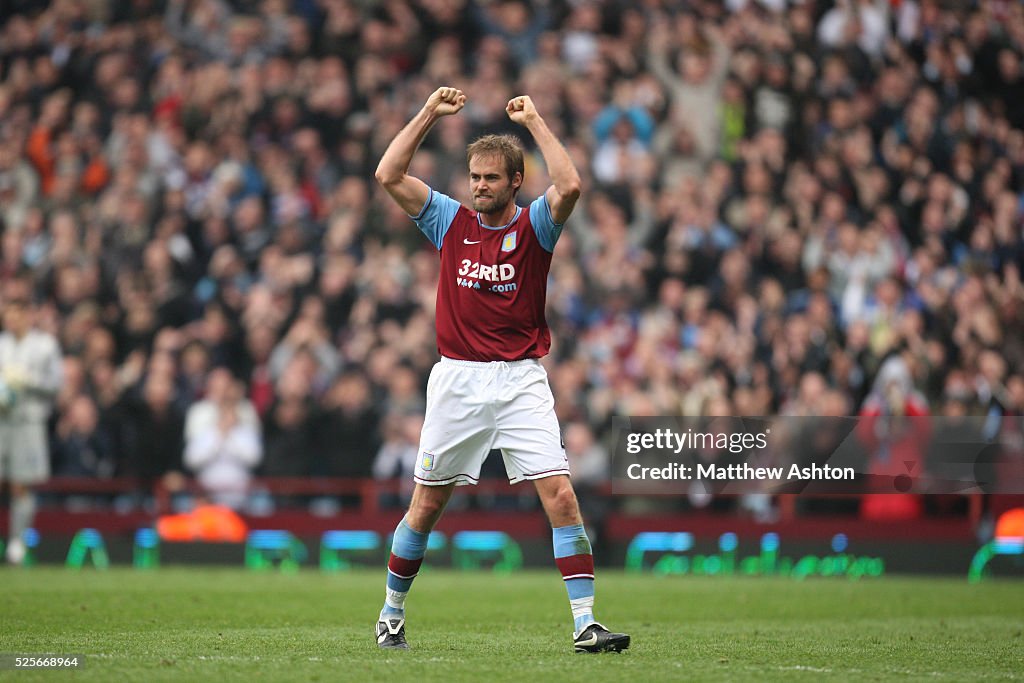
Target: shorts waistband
488,364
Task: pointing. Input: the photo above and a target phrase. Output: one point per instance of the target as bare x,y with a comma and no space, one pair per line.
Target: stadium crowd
781,199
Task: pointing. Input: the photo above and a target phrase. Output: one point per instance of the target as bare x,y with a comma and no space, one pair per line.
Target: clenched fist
521,109
446,101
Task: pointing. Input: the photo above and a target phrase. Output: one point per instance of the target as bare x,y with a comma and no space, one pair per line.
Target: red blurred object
208,523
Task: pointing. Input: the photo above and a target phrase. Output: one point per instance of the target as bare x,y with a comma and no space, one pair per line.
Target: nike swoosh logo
592,640
465,241
393,626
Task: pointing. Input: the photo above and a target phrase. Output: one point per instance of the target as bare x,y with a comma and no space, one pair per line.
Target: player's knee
563,501
424,512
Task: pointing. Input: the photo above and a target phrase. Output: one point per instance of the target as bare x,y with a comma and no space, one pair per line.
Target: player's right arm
393,170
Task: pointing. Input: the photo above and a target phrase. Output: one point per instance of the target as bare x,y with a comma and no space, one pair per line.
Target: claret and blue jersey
491,295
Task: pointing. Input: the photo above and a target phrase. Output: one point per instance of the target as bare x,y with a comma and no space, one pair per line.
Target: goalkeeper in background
30,377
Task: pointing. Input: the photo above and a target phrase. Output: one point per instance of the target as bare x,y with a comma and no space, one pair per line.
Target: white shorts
473,408
24,454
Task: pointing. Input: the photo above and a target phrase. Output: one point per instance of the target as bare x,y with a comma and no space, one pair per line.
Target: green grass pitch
226,624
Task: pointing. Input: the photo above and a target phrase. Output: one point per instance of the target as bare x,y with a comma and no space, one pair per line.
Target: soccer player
489,389
30,377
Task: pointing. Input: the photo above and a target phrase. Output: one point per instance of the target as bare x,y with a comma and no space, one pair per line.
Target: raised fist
521,109
446,101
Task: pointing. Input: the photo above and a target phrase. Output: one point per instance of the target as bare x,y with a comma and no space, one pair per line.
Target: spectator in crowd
290,434
82,448
155,431
396,458
348,428
222,389
896,437
224,454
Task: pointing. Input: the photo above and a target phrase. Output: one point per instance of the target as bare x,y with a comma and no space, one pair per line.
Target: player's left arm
565,188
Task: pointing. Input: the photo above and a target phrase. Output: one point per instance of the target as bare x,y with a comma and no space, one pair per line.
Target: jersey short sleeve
543,222
436,216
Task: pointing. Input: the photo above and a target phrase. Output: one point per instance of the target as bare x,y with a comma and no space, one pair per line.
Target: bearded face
490,185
